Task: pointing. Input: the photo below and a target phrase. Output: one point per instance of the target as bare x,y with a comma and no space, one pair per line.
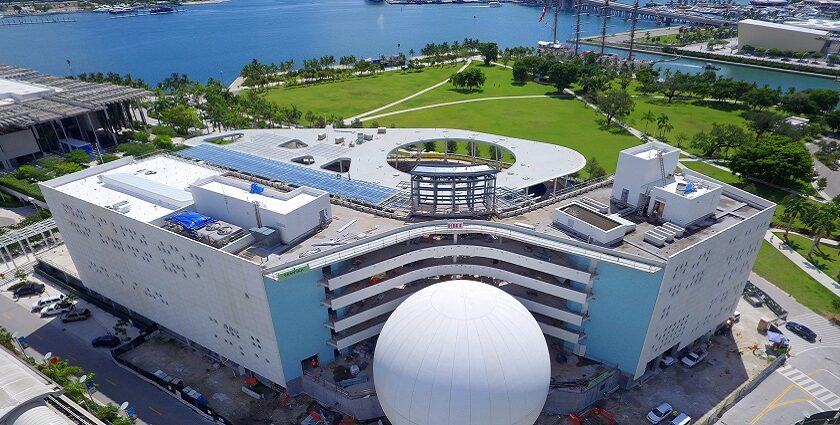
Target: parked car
109,341
28,290
667,361
736,316
803,331
76,315
753,300
693,358
45,301
56,308
681,419
659,413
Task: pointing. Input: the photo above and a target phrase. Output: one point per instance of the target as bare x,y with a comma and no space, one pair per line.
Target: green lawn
499,83
687,117
776,268
766,192
826,258
565,122
359,94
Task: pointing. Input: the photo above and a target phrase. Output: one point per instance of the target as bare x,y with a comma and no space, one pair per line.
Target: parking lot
731,361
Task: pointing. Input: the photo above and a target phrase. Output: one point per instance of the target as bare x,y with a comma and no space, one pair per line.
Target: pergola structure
56,109
453,190
16,241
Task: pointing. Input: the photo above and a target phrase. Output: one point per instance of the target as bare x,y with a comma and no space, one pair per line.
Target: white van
45,301
681,419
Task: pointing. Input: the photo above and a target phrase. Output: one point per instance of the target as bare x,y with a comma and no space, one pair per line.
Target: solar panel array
293,174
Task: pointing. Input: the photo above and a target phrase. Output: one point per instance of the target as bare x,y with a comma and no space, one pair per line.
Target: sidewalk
802,262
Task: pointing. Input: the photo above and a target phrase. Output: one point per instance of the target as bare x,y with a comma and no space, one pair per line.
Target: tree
674,84
799,103
663,123
615,103
648,117
775,159
719,139
77,156
822,221
520,73
451,146
489,51
182,118
822,183
762,122
795,206
832,119
563,74
471,79
594,169
824,99
647,78
429,146
761,98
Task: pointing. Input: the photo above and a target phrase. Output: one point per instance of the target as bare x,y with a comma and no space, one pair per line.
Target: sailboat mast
556,12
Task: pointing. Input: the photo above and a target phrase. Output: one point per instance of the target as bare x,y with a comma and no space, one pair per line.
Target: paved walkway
803,263
397,102
832,176
456,102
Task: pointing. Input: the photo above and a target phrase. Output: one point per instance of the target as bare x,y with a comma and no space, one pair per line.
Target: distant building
797,122
42,113
771,35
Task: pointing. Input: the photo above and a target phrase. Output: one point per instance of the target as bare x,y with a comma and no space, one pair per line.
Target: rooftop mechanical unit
203,228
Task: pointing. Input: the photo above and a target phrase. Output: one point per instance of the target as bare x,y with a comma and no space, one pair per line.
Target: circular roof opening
451,152
461,346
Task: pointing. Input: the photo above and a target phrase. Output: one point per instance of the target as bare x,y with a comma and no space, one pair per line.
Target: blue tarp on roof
191,220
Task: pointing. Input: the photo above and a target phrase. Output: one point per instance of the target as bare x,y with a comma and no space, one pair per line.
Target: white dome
461,352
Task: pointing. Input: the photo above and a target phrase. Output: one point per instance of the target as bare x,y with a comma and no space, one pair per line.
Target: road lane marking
155,410
817,391
111,382
770,406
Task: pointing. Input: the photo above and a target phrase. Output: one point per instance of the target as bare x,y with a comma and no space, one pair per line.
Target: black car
28,290
802,331
109,341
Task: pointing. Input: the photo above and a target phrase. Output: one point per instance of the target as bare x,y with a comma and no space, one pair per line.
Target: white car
56,308
659,413
693,358
45,301
667,361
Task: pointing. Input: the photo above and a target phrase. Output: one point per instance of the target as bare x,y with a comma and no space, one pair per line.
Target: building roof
475,356
786,27
28,97
21,393
536,162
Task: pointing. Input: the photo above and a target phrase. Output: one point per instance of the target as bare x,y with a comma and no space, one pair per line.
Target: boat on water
711,67
495,4
102,9
162,10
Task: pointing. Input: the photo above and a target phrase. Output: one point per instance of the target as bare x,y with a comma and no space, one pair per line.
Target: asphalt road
833,177
808,383
114,383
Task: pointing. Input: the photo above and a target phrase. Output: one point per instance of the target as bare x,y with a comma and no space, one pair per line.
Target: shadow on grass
465,91
819,258
720,106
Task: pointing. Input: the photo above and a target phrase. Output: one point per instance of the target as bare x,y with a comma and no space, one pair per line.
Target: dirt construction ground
699,390
220,385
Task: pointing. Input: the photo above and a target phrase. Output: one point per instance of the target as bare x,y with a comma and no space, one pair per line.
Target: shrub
140,136
162,143
77,156
21,186
162,130
108,157
135,149
30,172
66,168
50,161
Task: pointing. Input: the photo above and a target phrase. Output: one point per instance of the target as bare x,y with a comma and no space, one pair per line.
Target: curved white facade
461,352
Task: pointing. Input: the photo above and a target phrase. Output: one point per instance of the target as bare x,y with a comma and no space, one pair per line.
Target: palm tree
822,222
795,206
661,121
648,118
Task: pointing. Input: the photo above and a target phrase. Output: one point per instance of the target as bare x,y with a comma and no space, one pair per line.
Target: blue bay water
216,40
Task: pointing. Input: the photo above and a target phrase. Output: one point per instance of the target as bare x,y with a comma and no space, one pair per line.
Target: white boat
102,9
495,4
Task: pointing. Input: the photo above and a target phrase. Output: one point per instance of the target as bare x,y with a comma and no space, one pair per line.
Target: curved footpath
456,102
802,262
